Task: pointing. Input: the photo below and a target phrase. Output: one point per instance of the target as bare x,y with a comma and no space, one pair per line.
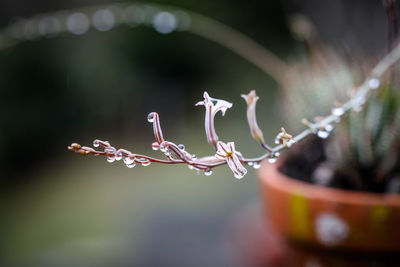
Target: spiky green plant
364,153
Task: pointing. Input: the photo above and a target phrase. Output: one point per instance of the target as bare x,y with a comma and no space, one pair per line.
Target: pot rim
270,175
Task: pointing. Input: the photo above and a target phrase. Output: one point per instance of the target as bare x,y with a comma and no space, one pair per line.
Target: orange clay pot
330,219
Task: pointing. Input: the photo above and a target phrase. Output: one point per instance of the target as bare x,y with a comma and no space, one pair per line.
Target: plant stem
383,65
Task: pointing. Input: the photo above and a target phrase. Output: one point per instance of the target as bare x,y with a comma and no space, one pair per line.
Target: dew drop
338,111
250,163
290,143
111,159
181,147
329,127
146,163
256,165
128,160
150,117
155,146
373,83
164,22
239,175
323,134
131,165
164,147
78,23
118,156
272,160
96,143
208,172
103,20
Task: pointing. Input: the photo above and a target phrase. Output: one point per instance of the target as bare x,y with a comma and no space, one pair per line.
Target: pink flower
212,106
228,152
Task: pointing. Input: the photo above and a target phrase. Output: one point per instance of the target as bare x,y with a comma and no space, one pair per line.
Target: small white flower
228,152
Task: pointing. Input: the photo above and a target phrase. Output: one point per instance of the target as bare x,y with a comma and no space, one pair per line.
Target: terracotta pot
330,219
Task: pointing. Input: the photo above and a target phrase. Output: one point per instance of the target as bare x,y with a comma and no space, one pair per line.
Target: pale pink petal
209,160
222,150
236,166
228,152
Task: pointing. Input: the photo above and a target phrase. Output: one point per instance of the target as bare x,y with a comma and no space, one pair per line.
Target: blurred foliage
364,153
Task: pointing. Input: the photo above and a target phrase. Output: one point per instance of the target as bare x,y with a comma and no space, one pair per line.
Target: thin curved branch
226,153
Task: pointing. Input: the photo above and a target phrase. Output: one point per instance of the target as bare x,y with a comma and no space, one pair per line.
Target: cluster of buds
285,139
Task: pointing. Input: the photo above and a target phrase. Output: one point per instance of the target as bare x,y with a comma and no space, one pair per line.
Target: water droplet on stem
256,165
339,111
373,83
181,147
131,165
118,156
128,160
323,134
146,163
208,172
150,117
155,146
96,143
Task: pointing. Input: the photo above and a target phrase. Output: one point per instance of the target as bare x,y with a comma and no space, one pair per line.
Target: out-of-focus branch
165,19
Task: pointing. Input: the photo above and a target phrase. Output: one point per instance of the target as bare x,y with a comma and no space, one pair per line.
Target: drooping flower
251,100
212,106
228,152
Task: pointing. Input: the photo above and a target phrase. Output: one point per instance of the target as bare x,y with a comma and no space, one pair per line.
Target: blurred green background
61,209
